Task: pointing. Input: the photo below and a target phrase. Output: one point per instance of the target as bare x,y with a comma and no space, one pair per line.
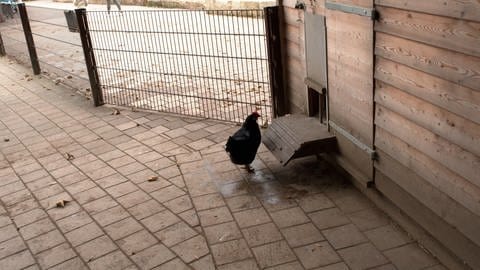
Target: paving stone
344,236
16,197
234,189
191,249
55,256
179,204
114,260
11,246
222,232
123,228
215,216
289,217
243,202
74,221
175,264
29,217
17,261
315,202
134,198
248,264
99,205
167,193
30,231
368,219
362,256
205,263
410,256
352,202
337,266
84,234
111,215
191,217
208,201
391,267
153,256
251,217
387,237
302,235
328,218
45,241
230,251
262,234
59,213
111,180
22,207
11,188
273,254
72,178
175,234
80,186
121,189
146,209
317,254
136,242
131,168
72,264
89,195
96,248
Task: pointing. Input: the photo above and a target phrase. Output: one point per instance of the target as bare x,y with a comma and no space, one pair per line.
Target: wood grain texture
455,67
442,205
448,235
451,127
457,35
358,3
461,9
426,144
450,96
350,84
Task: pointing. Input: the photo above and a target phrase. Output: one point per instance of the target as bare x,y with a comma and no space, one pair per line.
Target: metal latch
362,11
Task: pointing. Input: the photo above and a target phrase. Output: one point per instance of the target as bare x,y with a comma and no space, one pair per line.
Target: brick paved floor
201,212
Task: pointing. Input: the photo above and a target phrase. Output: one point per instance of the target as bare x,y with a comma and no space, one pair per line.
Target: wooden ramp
295,136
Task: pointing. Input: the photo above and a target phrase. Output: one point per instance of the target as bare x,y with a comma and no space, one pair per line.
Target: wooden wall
350,77
407,85
427,116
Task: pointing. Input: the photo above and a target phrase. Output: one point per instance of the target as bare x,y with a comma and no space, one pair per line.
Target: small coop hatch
296,136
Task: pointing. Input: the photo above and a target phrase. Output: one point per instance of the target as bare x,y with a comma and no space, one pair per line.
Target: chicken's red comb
256,114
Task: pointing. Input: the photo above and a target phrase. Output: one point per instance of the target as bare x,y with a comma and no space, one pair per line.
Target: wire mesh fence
58,49
202,63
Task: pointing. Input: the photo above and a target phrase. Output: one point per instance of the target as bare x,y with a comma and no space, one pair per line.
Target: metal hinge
362,11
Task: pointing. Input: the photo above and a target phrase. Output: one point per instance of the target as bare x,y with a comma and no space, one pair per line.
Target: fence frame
94,79
29,38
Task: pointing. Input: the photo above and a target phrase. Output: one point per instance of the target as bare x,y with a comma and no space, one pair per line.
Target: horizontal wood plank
447,95
442,205
448,33
412,154
451,127
465,9
448,235
452,66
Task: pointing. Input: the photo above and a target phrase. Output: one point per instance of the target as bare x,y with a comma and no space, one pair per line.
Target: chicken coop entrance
210,64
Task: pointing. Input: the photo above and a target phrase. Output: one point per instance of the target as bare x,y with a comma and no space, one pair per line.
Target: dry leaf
116,112
153,178
6,140
61,203
69,156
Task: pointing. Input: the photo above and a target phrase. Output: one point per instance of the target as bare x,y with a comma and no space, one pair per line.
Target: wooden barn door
350,83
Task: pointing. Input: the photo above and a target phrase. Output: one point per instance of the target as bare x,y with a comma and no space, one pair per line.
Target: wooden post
2,47
89,57
29,38
275,61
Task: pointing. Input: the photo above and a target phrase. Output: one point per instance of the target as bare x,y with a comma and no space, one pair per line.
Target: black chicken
243,145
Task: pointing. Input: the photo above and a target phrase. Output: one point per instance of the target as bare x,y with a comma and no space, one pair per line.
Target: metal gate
209,64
